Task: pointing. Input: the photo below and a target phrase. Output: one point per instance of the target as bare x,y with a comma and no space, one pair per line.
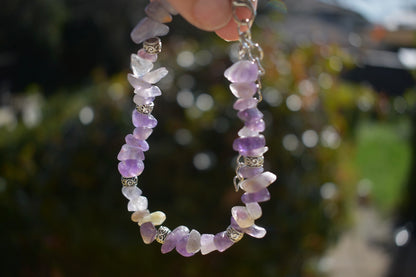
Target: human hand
210,15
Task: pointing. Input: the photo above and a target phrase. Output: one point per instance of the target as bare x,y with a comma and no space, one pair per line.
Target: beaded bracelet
244,76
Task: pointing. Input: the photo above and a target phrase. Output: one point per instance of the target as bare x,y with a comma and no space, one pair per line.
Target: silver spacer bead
153,45
233,234
129,182
161,234
254,161
145,108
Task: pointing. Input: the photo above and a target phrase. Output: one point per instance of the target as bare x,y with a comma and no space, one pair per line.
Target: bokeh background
340,109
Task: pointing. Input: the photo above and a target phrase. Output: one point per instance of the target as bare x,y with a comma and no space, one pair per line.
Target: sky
386,12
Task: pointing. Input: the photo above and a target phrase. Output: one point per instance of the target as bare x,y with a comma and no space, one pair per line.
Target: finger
230,31
209,15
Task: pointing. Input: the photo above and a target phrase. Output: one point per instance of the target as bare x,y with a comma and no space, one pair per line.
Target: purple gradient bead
243,90
143,120
140,144
148,232
257,152
248,171
168,7
245,103
142,133
131,192
250,115
173,238
138,100
222,242
256,125
128,152
137,82
254,230
181,247
246,144
207,244
259,196
258,182
130,168
156,75
147,56
148,28
153,91
156,11
242,72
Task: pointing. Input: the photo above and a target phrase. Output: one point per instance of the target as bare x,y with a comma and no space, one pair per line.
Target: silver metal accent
129,182
254,161
153,45
238,177
233,234
145,108
161,234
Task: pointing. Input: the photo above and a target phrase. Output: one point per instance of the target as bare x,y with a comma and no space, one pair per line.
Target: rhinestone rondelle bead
162,233
145,108
153,45
254,161
233,234
129,182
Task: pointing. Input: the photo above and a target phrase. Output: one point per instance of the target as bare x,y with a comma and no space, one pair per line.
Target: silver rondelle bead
153,45
129,182
161,234
233,234
254,161
145,108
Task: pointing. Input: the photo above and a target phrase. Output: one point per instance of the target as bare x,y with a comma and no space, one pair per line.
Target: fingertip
212,14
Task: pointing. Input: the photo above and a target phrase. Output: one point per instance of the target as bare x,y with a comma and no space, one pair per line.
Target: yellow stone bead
156,218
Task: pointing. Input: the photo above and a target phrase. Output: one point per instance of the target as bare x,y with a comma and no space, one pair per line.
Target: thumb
208,15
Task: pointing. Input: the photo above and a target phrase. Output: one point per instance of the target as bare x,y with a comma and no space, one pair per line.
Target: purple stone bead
147,56
138,100
181,247
207,244
248,171
131,192
242,72
156,75
140,144
130,168
173,238
142,133
246,144
148,232
256,125
257,152
148,28
245,103
258,196
250,115
137,82
243,90
143,120
149,92
156,11
128,152
222,242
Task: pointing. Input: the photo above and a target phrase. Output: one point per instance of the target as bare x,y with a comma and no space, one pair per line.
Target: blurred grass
383,157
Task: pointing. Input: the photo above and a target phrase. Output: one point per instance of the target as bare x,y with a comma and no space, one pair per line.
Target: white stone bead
139,65
131,192
242,216
194,242
254,210
207,244
156,75
137,204
258,182
157,218
247,132
148,93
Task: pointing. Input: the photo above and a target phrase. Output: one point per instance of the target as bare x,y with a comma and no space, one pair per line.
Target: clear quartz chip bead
140,66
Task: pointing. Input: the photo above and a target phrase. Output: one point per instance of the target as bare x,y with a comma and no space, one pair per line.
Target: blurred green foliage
61,208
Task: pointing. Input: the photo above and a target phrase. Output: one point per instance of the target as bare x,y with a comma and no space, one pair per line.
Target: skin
210,15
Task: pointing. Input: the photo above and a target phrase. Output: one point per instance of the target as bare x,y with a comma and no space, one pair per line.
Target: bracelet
244,76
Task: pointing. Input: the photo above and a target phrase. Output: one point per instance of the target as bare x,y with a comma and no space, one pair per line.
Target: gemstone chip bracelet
244,76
